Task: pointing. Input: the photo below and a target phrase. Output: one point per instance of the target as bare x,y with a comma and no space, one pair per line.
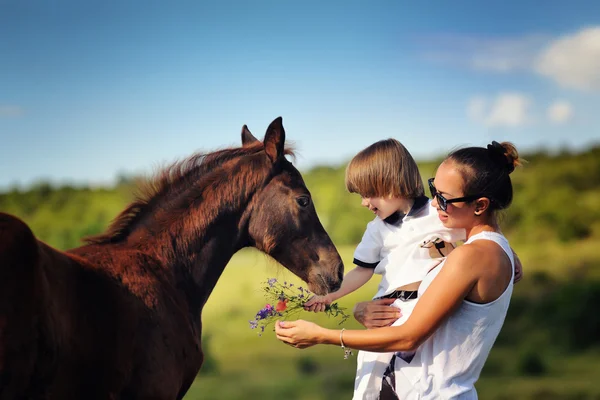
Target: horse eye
303,201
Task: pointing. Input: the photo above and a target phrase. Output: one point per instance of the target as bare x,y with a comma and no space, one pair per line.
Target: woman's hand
300,334
318,303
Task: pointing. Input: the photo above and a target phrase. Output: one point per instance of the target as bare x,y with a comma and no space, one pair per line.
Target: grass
244,365
249,366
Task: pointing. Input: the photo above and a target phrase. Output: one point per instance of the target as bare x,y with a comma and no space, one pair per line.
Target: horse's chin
321,289
323,283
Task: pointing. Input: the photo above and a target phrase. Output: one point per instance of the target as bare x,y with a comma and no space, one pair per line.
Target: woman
463,301
400,245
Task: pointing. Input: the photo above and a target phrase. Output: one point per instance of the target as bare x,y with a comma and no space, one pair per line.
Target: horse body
94,330
120,317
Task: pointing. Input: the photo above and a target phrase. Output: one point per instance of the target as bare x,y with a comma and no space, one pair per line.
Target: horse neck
197,262
200,240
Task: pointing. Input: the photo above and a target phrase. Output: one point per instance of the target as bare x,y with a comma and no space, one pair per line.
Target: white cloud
573,61
10,111
509,110
476,108
505,110
559,112
485,54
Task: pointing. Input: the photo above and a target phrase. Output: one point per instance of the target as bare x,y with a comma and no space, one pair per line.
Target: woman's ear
481,205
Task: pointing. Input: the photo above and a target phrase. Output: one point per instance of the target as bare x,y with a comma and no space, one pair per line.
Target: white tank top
453,357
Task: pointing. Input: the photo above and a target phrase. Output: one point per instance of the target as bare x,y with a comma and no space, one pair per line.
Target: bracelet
347,352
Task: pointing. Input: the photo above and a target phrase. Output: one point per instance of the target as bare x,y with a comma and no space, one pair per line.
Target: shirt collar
397,217
418,205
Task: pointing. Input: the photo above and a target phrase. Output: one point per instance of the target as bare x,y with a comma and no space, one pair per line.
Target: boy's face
383,207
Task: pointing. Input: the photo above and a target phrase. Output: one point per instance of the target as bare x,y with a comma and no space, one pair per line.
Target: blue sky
91,89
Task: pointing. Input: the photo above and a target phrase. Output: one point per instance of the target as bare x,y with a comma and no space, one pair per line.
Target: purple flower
253,324
272,282
265,312
262,314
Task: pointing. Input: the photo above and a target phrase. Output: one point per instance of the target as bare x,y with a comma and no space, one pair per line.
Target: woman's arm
352,281
444,295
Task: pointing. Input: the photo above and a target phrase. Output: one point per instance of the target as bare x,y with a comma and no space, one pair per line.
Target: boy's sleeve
368,251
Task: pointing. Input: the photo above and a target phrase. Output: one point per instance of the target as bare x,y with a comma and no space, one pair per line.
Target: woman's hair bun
506,154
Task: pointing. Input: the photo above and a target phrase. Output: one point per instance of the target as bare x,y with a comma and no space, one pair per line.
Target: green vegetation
532,359
549,347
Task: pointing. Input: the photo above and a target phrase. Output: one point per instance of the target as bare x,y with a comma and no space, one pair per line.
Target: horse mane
170,181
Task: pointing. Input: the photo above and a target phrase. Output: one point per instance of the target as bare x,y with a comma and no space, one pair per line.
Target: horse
120,316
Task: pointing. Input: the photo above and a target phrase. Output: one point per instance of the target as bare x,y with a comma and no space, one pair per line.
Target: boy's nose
364,202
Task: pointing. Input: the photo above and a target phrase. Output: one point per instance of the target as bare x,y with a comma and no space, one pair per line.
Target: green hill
557,199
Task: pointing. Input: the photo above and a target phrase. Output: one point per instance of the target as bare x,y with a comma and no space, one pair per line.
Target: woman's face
449,183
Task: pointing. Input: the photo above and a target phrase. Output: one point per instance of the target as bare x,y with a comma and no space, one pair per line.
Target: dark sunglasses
443,202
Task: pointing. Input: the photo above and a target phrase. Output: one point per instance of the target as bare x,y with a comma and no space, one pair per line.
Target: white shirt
453,357
394,249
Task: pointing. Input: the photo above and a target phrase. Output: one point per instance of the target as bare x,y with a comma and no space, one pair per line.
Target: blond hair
384,169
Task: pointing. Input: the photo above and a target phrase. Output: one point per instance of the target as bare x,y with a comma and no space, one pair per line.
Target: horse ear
275,139
247,137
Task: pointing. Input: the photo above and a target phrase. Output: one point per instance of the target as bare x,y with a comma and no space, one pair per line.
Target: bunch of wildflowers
286,300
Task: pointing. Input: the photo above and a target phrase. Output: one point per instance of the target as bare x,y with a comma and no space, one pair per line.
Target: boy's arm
352,281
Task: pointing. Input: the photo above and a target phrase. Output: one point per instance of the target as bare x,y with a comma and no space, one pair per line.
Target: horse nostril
341,272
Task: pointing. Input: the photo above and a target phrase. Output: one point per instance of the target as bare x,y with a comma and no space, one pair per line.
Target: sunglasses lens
434,194
432,189
442,201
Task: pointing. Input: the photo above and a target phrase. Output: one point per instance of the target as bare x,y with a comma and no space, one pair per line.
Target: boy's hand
317,303
518,269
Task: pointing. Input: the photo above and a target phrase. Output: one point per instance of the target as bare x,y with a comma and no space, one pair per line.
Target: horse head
198,212
283,222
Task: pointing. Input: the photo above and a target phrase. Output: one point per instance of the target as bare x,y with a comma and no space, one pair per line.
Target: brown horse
120,318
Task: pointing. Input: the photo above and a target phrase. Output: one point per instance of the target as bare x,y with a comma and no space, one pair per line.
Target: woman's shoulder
473,255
